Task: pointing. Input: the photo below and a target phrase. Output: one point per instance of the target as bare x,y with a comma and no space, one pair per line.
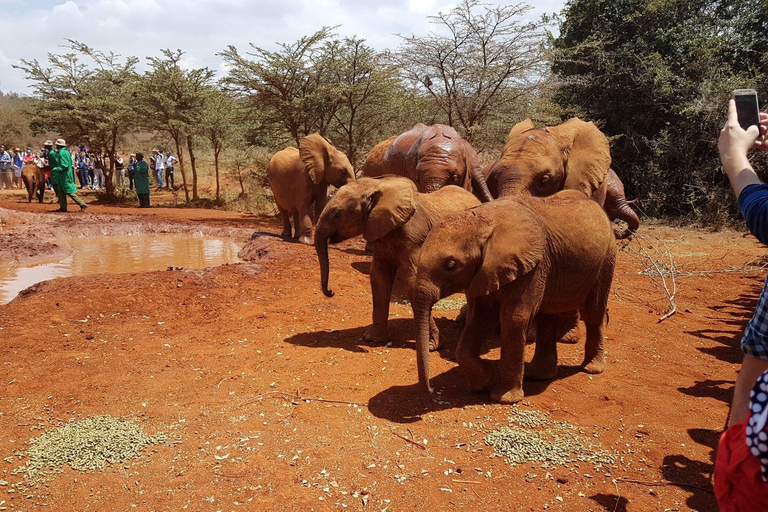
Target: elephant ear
391,203
520,127
587,155
512,246
314,152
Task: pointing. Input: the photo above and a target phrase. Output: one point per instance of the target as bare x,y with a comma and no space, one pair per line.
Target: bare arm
734,143
751,369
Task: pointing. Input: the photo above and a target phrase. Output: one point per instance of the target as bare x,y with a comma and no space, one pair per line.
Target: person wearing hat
141,177
61,176
17,165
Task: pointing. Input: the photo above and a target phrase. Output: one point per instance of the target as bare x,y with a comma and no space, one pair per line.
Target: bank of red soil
231,363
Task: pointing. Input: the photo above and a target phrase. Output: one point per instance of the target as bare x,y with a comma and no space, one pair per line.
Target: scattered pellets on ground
86,445
532,436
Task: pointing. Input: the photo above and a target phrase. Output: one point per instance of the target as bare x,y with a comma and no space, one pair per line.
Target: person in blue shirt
752,195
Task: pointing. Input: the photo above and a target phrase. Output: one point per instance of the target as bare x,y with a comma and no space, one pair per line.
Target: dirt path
232,363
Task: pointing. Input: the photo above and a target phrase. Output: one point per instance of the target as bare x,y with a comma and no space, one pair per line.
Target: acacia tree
481,59
171,99
286,88
366,89
219,125
85,103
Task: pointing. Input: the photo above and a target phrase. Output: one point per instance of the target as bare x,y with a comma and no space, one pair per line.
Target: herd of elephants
529,239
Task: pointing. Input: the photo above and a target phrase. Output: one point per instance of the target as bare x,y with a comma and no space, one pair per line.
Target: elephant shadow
407,404
401,332
611,502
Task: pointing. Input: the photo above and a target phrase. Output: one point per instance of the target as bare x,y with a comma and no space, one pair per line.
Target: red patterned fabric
739,485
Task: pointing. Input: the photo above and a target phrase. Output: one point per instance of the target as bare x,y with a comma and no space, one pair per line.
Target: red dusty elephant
433,157
574,155
34,181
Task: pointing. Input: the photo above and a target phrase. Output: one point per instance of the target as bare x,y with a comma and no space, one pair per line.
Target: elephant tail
321,247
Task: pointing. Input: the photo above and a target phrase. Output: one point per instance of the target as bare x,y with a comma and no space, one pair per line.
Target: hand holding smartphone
747,108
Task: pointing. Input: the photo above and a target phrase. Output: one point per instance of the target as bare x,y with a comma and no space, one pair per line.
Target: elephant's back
394,161
287,177
449,199
374,160
578,222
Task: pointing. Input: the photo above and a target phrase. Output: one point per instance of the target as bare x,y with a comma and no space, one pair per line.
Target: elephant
34,181
300,177
433,157
518,259
389,212
374,161
617,206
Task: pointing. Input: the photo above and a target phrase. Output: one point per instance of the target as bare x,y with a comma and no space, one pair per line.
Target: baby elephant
389,212
518,259
34,181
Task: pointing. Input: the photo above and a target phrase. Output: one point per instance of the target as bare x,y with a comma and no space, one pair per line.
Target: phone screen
746,107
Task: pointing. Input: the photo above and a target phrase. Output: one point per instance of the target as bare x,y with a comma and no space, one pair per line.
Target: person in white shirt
158,158
169,161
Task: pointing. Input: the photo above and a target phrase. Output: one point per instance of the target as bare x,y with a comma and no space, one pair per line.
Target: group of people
88,167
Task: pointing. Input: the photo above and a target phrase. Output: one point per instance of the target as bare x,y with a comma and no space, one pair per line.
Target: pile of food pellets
86,445
532,436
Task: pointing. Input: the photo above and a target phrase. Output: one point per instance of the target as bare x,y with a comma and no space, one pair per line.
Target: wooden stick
465,481
409,441
664,483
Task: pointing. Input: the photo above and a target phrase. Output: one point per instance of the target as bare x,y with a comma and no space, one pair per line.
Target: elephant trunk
424,300
623,211
321,248
480,186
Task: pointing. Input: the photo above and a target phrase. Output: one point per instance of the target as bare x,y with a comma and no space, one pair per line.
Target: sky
202,27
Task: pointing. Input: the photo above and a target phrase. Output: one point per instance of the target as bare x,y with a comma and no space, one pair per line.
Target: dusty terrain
271,401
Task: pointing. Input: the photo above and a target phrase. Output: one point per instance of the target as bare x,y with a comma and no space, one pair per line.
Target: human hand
734,141
762,143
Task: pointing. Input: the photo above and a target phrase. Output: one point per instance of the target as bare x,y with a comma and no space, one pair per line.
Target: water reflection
121,254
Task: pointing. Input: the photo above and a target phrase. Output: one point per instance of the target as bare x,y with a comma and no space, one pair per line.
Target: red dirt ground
231,362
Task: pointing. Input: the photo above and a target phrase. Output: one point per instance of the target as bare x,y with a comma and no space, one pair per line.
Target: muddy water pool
121,254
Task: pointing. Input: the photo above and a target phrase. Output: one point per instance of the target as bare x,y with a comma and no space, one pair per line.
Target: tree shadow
407,404
611,502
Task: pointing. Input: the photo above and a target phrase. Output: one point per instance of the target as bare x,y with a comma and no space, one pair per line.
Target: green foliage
15,120
85,103
480,64
656,76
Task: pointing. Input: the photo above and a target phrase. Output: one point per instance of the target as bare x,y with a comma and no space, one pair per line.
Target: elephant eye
450,265
336,214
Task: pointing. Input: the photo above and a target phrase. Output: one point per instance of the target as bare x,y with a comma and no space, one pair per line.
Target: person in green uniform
62,178
141,178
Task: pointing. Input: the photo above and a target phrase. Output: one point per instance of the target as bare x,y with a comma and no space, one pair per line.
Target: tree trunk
191,148
109,174
180,152
216,150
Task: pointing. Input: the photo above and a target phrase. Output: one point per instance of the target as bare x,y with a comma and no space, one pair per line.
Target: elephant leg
569,331
304,225
594,315
286,233
481,321
320,202
516,312
382,281
543,366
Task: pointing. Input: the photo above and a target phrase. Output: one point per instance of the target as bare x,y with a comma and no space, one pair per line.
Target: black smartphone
747,108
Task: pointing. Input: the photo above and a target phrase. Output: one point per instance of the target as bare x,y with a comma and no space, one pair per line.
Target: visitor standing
99,181
131,170
61,176
6,171
157,157
169,161
17,165
741,468
120,170
141,176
